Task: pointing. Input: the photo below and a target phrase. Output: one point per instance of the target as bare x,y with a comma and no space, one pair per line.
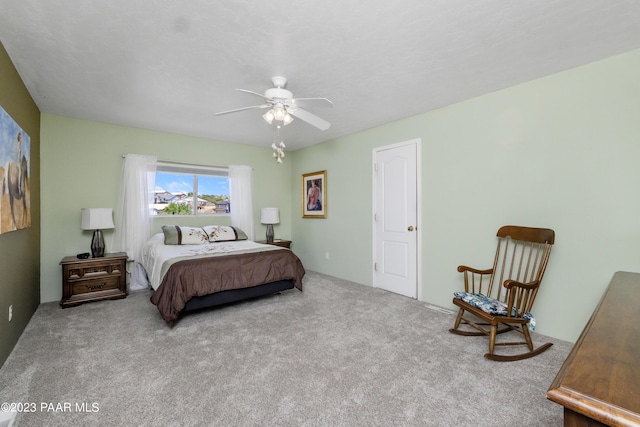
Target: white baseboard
440,309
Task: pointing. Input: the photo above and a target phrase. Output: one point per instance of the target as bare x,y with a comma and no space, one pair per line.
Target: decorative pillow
491,306
224,233
176,235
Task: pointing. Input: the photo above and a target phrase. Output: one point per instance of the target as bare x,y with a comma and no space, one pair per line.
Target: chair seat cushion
492,306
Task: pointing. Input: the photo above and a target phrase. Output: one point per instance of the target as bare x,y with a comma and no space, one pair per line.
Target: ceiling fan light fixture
268,116
279,112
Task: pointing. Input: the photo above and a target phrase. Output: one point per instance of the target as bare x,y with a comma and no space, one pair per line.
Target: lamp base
97,244
270,233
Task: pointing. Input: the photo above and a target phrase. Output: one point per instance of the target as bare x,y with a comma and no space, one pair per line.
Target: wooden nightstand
277,242
93,279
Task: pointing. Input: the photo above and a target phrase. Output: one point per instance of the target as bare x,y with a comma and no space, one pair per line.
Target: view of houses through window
191,190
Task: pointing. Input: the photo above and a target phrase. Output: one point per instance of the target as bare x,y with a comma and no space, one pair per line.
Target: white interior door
395,218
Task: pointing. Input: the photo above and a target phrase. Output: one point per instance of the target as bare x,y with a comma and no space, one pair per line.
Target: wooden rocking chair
503,295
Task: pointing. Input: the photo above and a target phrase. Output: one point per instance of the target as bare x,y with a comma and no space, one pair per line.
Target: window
191,190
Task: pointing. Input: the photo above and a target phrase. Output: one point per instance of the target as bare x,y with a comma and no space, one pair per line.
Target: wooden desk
599,383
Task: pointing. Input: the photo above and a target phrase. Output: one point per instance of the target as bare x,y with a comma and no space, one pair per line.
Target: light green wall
560,152
19,249
82,166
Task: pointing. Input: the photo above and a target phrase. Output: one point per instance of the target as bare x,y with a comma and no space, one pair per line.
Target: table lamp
97,219
270,216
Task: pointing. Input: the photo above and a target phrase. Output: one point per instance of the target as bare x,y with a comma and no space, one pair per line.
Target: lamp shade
97,218
268,116
270,216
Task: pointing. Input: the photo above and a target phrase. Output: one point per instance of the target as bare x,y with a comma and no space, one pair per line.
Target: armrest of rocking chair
510,284
463,268
473,278
526,293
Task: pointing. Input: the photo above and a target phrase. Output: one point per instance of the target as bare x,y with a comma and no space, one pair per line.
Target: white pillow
224,233
176,235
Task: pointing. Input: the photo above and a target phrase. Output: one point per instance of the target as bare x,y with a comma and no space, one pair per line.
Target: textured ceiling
170,65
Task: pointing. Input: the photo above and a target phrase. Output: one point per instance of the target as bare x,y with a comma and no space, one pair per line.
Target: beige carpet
337,354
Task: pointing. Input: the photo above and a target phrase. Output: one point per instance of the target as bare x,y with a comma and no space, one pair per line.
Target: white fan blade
312,119
252,93
242,109
311,103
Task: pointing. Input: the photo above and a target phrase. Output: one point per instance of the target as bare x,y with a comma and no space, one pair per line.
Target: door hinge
375,166
375,217
375,266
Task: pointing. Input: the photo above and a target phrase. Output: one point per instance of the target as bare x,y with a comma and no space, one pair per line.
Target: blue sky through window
207,185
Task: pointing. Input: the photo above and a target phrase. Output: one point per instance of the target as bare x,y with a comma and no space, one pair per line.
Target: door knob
410,228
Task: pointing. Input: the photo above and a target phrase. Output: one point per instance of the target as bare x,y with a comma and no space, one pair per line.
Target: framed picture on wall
15,164
314,195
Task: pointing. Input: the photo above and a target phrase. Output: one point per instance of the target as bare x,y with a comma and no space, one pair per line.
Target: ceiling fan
283,106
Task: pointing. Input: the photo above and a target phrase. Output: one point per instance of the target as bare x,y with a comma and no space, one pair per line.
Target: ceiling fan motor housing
278,93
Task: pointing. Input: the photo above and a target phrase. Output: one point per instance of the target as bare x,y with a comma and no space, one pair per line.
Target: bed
191,268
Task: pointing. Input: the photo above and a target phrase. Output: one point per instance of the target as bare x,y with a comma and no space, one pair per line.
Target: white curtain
135,207
241,194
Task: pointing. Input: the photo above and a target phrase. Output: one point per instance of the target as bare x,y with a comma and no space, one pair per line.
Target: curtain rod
184,164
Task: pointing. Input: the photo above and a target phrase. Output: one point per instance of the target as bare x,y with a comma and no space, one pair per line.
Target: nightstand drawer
96,270
95,285
101,270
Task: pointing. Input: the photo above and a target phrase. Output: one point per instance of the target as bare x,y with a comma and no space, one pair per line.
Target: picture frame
314,195
15,173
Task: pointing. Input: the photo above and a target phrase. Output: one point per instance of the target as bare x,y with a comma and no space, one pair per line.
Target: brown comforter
203,276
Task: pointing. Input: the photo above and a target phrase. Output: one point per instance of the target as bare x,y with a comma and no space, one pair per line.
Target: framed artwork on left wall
15,163
314,195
